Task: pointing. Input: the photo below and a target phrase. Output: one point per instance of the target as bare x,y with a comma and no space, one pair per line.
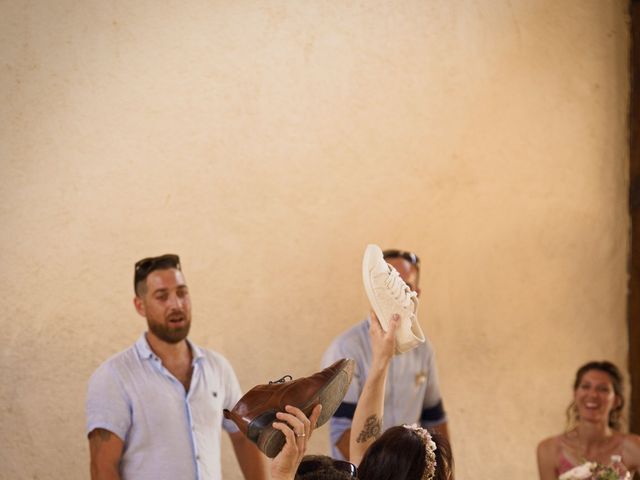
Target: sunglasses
308,466
410,257
147,265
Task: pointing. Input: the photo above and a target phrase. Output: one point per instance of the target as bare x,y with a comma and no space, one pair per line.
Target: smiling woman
593,427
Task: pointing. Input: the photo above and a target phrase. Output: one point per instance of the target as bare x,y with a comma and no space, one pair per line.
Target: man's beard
168,333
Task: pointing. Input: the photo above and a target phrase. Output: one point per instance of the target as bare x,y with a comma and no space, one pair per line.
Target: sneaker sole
329,396
373,253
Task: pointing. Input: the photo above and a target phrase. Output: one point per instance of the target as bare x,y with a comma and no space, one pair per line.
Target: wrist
379,368
282,476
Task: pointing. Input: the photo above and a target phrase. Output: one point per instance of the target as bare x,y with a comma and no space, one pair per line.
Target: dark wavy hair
399,454
617,383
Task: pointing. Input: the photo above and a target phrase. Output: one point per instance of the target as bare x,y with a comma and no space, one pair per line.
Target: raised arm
105,449
367,419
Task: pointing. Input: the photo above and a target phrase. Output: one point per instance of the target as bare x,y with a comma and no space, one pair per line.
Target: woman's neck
593,441
591,433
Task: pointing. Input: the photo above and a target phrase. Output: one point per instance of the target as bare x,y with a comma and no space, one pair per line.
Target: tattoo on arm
372,429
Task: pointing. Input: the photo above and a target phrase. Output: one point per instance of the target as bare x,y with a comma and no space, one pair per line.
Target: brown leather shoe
256,410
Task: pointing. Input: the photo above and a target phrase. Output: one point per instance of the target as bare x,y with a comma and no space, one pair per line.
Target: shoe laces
399,289
284,379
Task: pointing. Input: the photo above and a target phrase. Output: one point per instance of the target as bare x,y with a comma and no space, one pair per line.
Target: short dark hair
321,467
410,257
144,267
617,383
400,454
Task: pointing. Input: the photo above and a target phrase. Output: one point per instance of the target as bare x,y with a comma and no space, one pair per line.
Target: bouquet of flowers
597,471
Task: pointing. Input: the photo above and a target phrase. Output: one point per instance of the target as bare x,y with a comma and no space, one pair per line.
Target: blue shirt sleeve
107,404
233,393
432,409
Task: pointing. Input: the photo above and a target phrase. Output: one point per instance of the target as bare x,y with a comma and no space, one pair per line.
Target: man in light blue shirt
412,392
154,411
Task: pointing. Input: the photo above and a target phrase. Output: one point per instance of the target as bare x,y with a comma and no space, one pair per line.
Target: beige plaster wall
268,143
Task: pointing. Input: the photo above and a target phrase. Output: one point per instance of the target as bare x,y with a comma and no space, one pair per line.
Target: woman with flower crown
402,452
405,452
592,445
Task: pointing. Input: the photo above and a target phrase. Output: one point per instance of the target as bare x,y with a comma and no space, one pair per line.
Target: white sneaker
389,294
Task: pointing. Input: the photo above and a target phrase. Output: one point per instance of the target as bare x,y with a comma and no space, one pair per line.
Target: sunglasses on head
410,257
308,466
147,265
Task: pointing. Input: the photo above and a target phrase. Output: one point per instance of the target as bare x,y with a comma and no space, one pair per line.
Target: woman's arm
367,419
631,452
547,456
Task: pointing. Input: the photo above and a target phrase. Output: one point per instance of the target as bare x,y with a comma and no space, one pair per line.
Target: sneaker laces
399,289
284,379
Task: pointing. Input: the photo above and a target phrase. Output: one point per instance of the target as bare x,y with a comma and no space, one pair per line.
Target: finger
289,435
300,415
294,422
309,422
375,325
313,420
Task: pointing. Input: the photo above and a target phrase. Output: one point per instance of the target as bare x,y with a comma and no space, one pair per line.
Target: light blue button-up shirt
168,433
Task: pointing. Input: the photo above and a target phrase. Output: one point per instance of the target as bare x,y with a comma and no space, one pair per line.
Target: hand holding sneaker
382,343
389,294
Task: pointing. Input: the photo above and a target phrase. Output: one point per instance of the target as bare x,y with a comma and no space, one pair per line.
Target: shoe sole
329,396
371,254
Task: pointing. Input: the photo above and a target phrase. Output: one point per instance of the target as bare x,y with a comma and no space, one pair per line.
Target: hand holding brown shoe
297,429
256,411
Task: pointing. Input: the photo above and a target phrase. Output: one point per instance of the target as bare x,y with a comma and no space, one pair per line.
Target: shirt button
198,457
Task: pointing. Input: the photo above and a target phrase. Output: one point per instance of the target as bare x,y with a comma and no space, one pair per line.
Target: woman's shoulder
550,445
548,454
631,448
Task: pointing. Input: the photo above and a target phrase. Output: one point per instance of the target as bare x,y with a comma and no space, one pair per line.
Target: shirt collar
145,352
143,348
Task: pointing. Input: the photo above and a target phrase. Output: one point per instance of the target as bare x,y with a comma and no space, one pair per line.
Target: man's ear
137,302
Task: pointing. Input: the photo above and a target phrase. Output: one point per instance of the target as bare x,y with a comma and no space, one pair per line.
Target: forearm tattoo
372,429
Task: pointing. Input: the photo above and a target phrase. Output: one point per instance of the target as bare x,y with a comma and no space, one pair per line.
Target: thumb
394,324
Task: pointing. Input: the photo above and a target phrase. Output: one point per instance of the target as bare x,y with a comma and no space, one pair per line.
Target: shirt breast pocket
206,406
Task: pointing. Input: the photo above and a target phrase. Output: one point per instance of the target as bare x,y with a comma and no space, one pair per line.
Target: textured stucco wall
268,143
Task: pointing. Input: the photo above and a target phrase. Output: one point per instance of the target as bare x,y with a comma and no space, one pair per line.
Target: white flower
581,472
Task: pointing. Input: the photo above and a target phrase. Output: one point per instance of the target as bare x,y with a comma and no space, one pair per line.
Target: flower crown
430,448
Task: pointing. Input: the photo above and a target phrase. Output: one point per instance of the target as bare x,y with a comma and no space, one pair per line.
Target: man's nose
175,302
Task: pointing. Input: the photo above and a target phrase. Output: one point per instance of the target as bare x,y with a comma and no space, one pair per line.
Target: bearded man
154,411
